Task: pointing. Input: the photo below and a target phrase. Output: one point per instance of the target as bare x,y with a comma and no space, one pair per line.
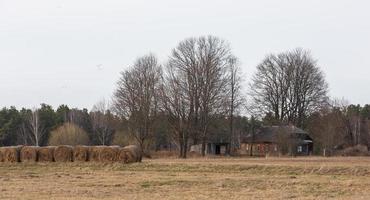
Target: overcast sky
71,51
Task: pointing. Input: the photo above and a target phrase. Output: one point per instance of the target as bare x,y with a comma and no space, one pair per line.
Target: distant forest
197,94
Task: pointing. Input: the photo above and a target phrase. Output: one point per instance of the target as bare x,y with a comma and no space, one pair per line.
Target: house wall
196,148
210,148
304,149
259,149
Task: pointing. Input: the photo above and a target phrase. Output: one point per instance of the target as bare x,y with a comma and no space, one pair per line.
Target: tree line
197,94
340,125
34,126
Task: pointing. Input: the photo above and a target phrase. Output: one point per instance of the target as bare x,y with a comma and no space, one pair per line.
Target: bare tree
136,97
36,127
290,85
200,66
23,133
101,120
236,99
176,106
329,127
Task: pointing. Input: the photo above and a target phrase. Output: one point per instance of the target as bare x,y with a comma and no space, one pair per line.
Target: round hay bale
11,154
46,154
63,153
103,153
81,153
1,154
94,153
109,154
133,153
130,156
122,155
29,154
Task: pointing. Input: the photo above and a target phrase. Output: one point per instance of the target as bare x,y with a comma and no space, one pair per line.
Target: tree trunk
181,149
204,147
185,148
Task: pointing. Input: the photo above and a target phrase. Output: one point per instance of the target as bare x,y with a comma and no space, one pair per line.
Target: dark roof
271,134
219,137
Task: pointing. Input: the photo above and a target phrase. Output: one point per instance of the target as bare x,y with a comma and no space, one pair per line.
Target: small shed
217,144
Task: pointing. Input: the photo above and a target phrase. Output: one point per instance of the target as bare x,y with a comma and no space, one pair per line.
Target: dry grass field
201,178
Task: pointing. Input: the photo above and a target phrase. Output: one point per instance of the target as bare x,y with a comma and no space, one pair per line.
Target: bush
68,134
358,150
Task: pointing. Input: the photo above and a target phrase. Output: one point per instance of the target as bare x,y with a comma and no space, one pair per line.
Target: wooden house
277,140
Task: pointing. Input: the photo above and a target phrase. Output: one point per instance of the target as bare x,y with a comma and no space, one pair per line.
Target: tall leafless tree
200,66
176,106
235,97
136,97
23,133
36,127
290,85
101,120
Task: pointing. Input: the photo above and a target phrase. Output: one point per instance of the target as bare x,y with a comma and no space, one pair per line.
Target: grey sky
71,51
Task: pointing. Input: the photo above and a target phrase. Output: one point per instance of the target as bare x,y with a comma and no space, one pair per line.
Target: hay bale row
65,153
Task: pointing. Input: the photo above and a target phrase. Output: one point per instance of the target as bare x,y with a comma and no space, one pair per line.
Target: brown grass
200,178
164,154
29,154
46,154
81,153
63,153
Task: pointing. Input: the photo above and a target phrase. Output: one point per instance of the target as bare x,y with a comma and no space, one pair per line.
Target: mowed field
200,178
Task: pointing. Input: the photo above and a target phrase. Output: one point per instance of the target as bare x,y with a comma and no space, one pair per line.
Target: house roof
219,137
271,134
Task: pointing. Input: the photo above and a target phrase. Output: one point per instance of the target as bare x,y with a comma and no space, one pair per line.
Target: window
299,149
